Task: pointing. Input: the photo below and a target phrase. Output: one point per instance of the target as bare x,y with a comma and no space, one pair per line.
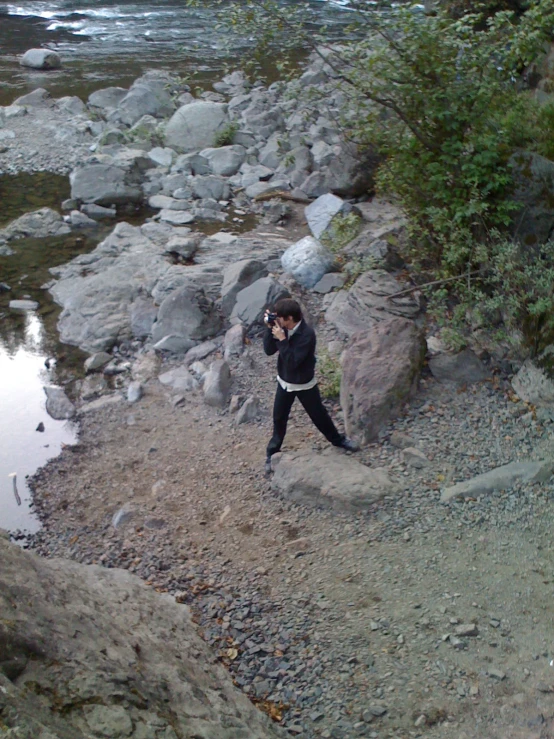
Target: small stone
23,305
415,458
378,711
466,630
40,427
420,721
134,392
97,361
496,673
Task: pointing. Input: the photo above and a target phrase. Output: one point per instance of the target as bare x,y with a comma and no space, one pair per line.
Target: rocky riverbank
348,596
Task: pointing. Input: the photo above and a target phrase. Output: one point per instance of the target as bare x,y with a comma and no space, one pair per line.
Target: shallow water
114,42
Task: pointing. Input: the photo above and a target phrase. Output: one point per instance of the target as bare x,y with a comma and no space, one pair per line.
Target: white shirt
289,386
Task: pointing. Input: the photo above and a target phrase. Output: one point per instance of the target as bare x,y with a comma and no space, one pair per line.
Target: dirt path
413,620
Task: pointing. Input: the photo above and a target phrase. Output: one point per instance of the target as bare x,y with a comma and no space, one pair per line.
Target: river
101,44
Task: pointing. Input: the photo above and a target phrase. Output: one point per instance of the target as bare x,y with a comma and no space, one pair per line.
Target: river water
101,44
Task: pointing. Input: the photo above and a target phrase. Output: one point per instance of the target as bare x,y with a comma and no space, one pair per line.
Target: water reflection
23,374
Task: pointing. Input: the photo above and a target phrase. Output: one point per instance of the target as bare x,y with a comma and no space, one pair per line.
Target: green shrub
330,374
343,230
225,136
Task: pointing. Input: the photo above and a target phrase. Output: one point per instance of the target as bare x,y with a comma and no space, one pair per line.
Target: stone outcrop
254,299
461,368
187,313
195,126
87,651
329,480
369,301
38,224
380,371
533,385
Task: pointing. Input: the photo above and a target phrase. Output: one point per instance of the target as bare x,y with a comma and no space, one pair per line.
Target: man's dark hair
288,307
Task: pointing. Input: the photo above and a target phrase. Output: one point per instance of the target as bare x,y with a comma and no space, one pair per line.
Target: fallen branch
431,284
283,195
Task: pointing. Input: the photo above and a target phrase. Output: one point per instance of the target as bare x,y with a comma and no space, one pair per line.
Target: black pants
311,401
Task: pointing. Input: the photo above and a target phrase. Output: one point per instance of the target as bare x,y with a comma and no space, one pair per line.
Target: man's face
287,322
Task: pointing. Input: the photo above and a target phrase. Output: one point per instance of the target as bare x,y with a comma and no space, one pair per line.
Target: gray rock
253,300
23,305
105,402
163,202
174,344
148,95
307,261
368,301
69,630
225,160
97,361
248,412
108,721
81,220
501,478
314,185
210,186
142,315
266,188
462,368
179,379
235,278
104,184
39,224
329,480
38,97
41,59
380,371
200,352
176,217
134,391
533,385
162,157
321,212
72,105
217,384
92,387
195,126
233,342
415,458
98,212
187,312
329,282
58,405
107,99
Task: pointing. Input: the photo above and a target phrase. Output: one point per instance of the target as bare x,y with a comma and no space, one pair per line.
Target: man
295,341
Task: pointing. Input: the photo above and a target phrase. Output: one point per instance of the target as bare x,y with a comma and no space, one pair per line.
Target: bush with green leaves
330,374
343,229
225,136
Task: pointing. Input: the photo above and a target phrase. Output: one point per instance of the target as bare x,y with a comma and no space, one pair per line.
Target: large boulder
533,176
323,210
463,368
253,300
58,405
368,301
307,261
106,656
148,95
107,99
98,290
104,184
217,384
329,480
40,224
195,126
380,371
189,314
41,59
236,277
225,160
533,385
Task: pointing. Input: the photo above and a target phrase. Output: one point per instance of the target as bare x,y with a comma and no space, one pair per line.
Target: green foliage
330,375
343,229
356,267
225,136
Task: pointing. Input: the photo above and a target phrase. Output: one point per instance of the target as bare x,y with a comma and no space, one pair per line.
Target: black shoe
350,445
267,467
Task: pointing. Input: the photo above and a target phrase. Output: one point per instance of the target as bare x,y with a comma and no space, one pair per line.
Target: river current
101,44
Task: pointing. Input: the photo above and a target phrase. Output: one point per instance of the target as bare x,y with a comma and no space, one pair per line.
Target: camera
271,319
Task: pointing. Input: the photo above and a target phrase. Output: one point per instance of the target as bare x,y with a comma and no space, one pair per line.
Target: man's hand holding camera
272,322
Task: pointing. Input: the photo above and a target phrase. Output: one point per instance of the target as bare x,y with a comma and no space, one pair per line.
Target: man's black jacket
296,363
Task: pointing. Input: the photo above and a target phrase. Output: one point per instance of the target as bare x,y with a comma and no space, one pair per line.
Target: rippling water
114,42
